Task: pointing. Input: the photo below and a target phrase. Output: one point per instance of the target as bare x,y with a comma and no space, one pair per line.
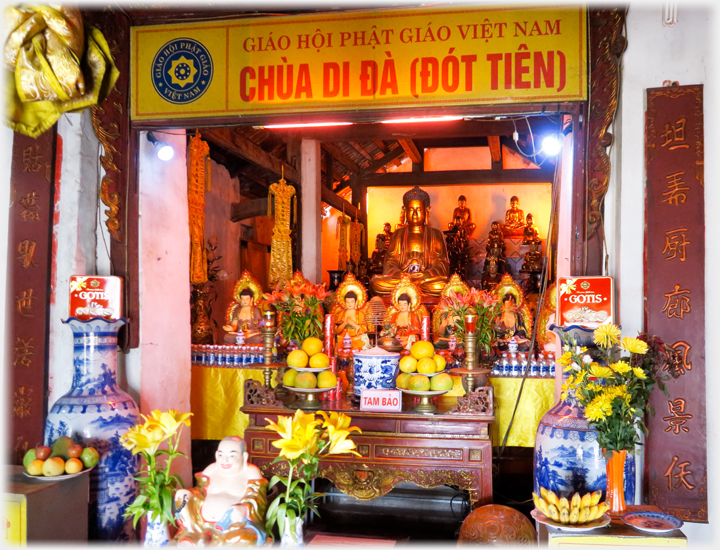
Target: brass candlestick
268,340
471,360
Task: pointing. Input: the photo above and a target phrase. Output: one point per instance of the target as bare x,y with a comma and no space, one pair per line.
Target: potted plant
613,385
300,304
484,305
155,482
304,441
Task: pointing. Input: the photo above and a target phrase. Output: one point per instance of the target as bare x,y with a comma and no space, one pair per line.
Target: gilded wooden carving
480,401
258,394
363,483
418,452
607,44
110,198
281,244
198,151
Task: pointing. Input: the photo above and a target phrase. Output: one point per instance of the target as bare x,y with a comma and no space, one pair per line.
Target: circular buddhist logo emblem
182,70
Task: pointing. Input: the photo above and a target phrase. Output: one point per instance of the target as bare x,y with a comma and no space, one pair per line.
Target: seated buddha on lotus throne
243,313
416,250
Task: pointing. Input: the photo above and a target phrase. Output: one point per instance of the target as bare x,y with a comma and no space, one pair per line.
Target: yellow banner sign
382,59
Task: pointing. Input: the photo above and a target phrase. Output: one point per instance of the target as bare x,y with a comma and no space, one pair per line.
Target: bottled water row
514,365
227,356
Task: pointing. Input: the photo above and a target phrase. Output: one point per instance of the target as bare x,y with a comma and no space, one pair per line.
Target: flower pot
615,495
293,527
156,531
96,412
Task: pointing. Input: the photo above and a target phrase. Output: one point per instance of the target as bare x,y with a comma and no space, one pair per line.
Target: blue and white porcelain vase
96,412
374,369
567,456
156,531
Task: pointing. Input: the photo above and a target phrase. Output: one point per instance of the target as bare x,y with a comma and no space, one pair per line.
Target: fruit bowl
425,405
60,477
310,369
310,402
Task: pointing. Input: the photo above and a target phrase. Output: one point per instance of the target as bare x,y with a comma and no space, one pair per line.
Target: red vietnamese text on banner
675,297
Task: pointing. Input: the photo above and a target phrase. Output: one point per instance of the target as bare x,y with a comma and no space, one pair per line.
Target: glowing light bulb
551,145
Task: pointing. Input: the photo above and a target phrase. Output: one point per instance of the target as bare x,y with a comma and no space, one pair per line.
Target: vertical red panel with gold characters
28,290
675,297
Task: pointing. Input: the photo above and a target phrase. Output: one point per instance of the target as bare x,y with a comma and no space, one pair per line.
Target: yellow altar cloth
216,396
537,399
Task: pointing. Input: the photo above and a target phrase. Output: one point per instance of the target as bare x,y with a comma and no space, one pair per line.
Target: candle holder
268,341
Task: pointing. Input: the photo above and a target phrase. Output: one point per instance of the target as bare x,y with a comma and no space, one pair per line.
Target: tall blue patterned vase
567,456
96,412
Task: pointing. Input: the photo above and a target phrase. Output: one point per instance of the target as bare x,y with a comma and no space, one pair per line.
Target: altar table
429,450
216,395
537,399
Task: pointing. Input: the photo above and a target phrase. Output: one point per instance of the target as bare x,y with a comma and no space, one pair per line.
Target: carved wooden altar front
450,447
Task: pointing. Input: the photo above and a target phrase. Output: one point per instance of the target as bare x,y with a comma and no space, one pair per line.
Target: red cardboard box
585,301
95,296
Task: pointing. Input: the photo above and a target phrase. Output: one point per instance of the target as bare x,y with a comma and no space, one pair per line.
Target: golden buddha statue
533,258
243,313
443,321
530,233
514,219
463,213
514,320
416,250
387,234
405,314
349,313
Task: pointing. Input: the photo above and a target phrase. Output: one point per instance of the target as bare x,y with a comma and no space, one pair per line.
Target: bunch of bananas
574,511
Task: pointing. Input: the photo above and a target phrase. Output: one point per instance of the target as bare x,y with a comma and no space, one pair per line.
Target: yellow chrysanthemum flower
606,336
565,359
639,373
621,367
597,410
600,372
634,345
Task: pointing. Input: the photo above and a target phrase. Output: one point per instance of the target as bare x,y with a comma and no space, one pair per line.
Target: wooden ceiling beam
243,210
411,150
392,156
385,149
360,149
338,155
495,149
455,177
338,203
238,145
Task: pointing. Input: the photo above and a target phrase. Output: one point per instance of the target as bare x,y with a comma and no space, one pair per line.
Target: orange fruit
319,361
402,380
426,365
440,362
297,358
422,349
305,380
326,379
419,382
408,364
442,381
73,466
289,377
312,345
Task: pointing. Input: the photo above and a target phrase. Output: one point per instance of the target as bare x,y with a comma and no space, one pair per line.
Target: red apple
42,452
74,451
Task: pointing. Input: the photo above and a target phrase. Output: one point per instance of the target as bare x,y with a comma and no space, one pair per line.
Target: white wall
655,53
73,240
163,357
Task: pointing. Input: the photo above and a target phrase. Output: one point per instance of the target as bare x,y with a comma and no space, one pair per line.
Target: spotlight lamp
551,145
162,149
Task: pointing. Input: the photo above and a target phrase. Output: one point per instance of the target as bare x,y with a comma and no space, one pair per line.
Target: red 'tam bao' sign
586,301
95,296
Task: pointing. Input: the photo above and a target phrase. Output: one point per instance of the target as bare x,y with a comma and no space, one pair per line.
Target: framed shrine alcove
589,122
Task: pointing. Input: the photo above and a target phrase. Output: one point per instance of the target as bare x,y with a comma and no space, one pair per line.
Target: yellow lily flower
339,443
283,426
339,421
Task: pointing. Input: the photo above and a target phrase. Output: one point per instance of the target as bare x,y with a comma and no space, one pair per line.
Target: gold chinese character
23,352
675,244
684,365
678,303
25,303
26,249
680,476
31,208
675,188
675,134
32,159
23,402
678,419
